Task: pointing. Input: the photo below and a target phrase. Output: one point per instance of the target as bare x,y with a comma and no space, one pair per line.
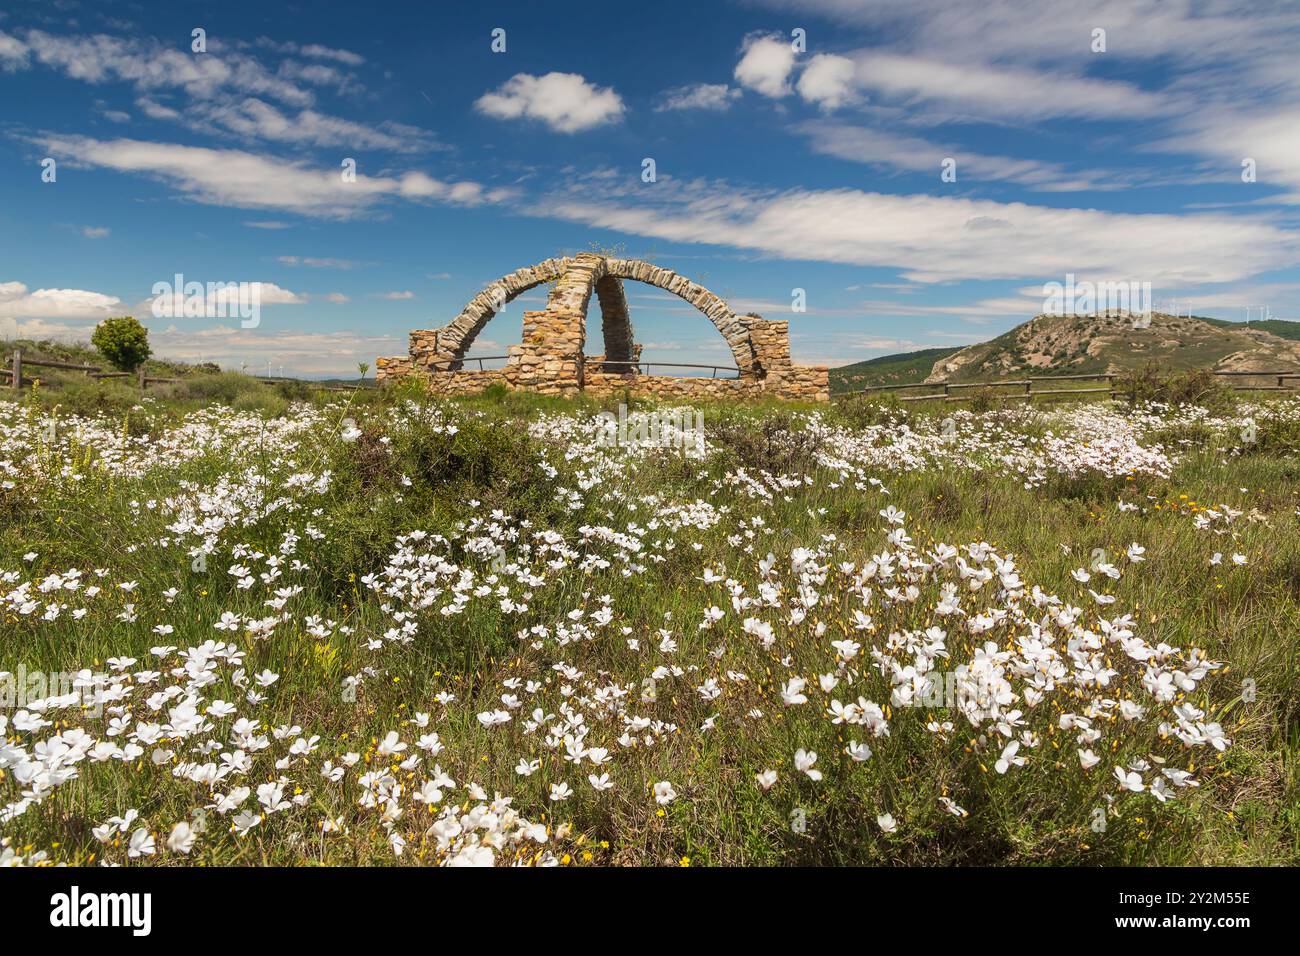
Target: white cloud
257,119
699,96
902,152
827,80
318,263
1051,32
327,53
95,232
223,84
1271,138
271,294
396,296
230,177
313,50
765,66
229,295
299,352
565,102
13,52
150,65
941,239
17,302
155,110
44,330
1002,92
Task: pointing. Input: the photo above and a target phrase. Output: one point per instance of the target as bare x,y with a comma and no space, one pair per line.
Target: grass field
389,629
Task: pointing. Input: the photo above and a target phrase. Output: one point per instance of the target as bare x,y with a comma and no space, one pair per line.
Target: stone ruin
550,359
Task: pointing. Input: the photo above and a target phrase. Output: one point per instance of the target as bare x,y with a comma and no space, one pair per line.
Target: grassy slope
887,369
74,392
1282,328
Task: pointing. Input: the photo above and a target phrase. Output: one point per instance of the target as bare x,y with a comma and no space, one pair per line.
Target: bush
123,341
1194,387
774,444
89,397
984,400
870,409
223,387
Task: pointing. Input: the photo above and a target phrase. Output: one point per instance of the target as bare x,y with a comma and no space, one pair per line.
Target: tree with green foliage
123,341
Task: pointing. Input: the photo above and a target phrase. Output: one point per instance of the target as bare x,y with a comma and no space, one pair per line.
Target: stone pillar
770,339
550,356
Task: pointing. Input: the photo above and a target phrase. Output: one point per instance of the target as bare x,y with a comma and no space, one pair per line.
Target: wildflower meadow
389,629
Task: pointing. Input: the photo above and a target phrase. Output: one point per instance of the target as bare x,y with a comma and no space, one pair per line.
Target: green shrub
773,444
984,400
1194,387
871,409
123,341
223,387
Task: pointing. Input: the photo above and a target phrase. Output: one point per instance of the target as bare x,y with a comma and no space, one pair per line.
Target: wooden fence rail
17,362
1027,384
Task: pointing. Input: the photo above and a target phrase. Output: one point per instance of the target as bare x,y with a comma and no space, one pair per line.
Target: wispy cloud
940,239
231,177
714,97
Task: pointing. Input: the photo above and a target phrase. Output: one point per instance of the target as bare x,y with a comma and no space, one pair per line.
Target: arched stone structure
551,356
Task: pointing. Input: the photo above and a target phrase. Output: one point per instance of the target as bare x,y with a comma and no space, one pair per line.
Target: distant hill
887,369
1085,345
1115,342
1279,327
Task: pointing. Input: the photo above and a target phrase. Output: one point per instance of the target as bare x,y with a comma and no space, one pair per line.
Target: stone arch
734,329
552,350
551,356
447,345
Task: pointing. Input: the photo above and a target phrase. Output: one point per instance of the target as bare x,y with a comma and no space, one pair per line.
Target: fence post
141,377
18,369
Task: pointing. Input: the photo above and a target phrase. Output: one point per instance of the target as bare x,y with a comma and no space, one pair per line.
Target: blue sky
776,168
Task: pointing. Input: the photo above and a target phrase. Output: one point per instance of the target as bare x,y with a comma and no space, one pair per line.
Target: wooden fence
958,391
16,363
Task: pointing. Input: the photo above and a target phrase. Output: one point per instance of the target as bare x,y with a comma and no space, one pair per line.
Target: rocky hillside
1115,342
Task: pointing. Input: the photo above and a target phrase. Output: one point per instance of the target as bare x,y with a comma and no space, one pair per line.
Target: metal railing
714,369
456,365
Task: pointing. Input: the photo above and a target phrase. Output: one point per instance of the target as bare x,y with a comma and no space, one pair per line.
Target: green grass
1283,328
887,369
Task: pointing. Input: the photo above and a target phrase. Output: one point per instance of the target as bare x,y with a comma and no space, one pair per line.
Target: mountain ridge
1109,342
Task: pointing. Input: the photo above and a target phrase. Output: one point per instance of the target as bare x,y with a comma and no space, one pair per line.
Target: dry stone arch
551,356
448,345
